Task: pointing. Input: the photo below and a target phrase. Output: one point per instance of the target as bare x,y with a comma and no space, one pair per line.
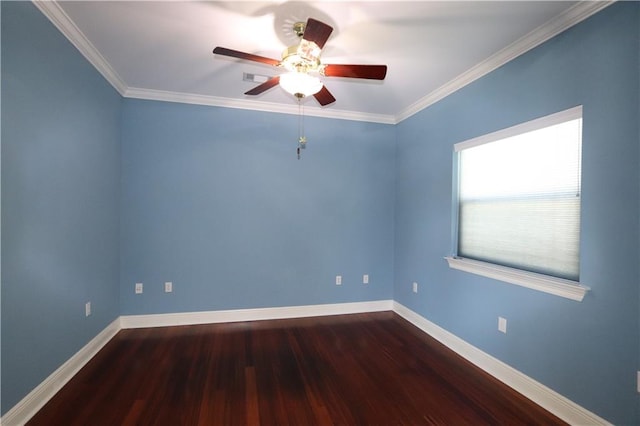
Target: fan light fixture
299,61
300,84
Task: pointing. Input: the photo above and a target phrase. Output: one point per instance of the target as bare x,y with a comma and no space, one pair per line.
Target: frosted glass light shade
299,83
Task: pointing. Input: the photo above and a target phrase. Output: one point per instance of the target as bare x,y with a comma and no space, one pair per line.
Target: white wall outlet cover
415,287
338,279
138,288
365,279
87,309
168,287
502,325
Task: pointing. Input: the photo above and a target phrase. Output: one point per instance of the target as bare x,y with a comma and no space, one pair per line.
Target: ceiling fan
302,61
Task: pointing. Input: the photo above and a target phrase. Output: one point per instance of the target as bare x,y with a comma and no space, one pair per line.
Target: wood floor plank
133,415
349,369
253,414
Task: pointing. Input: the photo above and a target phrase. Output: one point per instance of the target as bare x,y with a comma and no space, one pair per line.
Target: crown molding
581,11
195,99
59,18
62,21
572,16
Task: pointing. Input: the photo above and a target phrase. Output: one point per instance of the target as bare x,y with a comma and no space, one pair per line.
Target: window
518,204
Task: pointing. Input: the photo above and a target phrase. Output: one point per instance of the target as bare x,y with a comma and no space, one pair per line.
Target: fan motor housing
293,61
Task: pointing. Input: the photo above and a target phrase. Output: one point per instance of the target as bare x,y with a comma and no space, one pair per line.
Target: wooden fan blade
273,81
371,72
324,97
248,56
317,32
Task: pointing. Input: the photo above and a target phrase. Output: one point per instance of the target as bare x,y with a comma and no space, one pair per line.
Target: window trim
529,126
546,283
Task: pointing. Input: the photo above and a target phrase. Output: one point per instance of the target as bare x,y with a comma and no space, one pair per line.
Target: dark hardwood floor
349,370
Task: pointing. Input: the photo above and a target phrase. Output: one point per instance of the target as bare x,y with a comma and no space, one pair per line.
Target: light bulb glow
300,83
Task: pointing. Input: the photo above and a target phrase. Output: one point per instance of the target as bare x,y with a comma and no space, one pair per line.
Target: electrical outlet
168,287
87,309
638,382
365,279
138,288
338,279
502,325
415,287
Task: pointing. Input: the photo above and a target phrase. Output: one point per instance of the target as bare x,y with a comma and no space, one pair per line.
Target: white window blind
519,196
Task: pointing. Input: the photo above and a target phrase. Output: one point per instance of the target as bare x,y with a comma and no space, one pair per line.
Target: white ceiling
163,50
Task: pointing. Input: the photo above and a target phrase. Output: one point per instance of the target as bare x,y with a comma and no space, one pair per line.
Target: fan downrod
298,28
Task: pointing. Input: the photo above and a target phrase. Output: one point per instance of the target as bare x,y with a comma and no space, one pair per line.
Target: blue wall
215,201
99,193
60,200
586,351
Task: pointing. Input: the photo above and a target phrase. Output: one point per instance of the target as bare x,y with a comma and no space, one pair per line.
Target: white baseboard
535,391
545,397
257,314
38,397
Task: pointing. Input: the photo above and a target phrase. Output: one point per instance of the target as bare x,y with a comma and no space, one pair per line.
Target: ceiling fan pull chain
299,126
302,140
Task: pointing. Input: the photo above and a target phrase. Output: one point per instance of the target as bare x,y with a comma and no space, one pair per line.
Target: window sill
558,286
